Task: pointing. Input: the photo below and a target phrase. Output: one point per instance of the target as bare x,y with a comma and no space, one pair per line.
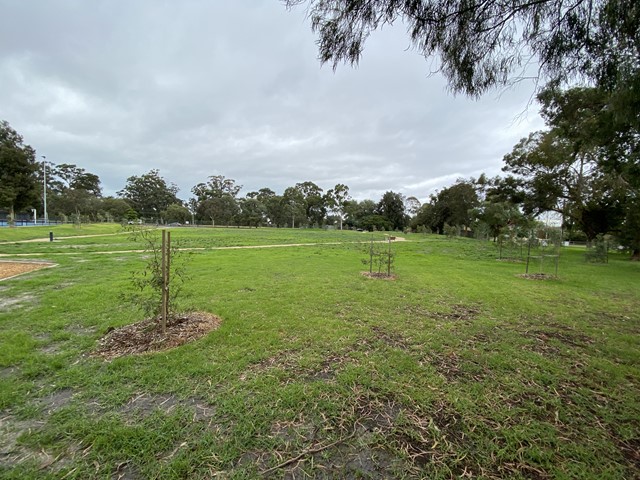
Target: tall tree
314,202
216,186
216,199
293,206
336,199
68,176
252,212
221,210
18,171
357,211
73,191
391,207
480,44
561,168
412,205
149,194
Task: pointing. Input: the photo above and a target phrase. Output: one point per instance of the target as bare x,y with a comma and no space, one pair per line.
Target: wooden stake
164,282
168,275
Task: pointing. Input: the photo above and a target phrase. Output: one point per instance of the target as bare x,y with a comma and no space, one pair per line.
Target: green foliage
148,282
482,45
18,168
598,250
451,231
379,257
391,207
149,194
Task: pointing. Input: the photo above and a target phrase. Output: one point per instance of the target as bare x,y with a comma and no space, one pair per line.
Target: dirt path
195,249
55,239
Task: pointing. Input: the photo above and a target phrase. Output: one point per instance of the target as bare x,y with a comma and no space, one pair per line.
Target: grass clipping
147,337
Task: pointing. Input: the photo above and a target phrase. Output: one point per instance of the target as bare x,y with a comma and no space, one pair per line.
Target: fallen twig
309,451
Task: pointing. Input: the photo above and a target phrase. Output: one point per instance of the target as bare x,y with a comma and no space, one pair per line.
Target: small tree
598,250
157,285
379,256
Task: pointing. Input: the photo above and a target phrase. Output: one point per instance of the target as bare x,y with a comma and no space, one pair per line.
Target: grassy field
458,367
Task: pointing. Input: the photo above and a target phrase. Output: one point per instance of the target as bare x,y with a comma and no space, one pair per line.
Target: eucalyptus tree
336,200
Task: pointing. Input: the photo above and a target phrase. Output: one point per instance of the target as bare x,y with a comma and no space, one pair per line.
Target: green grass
457,367
111,237
68,230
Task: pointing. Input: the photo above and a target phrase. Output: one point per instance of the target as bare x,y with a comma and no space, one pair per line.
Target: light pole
44,168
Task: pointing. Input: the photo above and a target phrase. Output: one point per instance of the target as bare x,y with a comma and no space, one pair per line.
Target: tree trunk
635,256
11,216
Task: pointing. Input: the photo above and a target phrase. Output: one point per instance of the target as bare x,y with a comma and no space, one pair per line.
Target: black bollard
51,236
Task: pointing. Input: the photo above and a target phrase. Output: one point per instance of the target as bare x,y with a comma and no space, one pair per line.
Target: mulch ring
537,276
11,268
146,336
379,275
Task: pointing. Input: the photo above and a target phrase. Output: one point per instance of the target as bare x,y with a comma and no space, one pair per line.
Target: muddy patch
51,349
126,471
359,442
144,404
81,330
56,400
8,372
10,303
11,452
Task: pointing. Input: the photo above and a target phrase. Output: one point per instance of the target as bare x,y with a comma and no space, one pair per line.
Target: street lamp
44,168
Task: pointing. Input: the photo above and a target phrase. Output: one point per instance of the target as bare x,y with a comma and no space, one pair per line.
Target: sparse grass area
457,367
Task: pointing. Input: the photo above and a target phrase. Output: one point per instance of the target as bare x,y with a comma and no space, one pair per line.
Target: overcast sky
205,87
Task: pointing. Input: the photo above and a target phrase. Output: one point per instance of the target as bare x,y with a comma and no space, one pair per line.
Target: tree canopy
18,171
149,194
481,44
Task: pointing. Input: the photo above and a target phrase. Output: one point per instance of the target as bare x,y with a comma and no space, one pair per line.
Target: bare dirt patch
11,428
13,269
147,337
144,404
10,302
56,400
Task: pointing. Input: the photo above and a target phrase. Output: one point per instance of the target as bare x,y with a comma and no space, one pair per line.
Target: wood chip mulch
538,276
146,336
380,275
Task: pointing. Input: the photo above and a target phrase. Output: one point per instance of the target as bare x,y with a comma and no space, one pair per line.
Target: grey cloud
200,88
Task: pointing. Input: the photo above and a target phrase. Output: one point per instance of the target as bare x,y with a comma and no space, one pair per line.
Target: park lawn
118,238
457,367
8,234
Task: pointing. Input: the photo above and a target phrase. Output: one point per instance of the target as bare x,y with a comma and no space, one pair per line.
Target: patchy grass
457,367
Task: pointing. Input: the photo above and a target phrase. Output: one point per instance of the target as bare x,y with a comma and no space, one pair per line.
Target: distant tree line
73,194
584,167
